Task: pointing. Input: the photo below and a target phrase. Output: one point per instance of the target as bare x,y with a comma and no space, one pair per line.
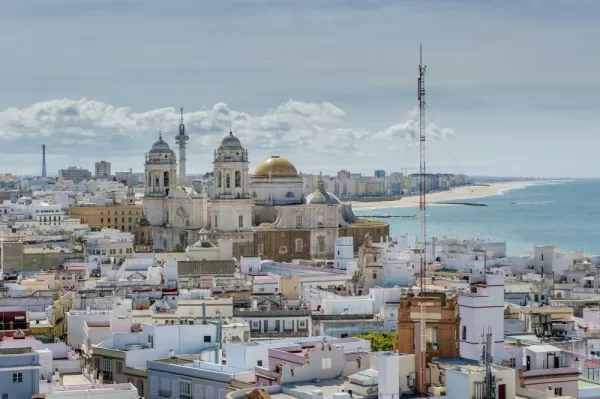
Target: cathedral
264,213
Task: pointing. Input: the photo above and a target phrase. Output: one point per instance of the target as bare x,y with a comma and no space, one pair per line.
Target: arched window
298,244
166,179
157,183
289,195
149,179
219,179
227,181
238,179
321,244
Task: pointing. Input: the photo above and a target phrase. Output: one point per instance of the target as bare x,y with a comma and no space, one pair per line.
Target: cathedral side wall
358,232
280,245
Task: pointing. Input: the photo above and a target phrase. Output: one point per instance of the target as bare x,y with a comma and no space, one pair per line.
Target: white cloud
84,128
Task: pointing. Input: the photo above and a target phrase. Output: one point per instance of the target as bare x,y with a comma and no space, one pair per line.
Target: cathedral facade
174,215
264,213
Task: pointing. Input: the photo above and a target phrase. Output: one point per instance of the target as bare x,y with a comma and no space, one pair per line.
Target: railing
342,316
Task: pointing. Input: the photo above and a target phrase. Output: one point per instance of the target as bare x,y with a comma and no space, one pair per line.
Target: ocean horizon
562,213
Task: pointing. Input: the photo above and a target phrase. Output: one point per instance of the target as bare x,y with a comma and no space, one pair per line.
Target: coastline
456,194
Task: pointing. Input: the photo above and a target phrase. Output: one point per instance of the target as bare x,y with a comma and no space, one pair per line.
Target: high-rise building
102,169
75,174
343,174
379,174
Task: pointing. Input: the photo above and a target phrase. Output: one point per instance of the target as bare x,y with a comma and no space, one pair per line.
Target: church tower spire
181,139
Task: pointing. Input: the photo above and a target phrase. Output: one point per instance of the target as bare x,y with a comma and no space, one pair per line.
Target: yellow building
122,217
60,307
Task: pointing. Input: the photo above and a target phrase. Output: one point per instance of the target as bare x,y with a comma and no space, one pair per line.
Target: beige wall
289,287
115,216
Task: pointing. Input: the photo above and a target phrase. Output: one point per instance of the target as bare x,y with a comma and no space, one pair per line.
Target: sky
512,86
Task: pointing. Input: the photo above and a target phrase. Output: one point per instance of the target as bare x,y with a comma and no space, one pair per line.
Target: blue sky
329,85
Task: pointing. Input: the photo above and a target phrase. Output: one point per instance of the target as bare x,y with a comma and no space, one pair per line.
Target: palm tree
81,241
179,248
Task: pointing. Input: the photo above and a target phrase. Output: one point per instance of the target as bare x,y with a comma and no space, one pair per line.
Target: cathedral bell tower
232,204
160,170
160,179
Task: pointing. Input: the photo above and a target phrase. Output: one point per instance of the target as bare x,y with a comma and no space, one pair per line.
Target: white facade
482,308
27,208
344,252
109,243
160,341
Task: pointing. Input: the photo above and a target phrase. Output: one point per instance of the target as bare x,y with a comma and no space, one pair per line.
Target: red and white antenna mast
423,211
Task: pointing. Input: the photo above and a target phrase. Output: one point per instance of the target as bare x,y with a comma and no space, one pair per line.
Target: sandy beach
456,194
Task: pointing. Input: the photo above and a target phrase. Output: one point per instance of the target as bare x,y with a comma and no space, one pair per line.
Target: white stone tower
231,205
181,139
160,179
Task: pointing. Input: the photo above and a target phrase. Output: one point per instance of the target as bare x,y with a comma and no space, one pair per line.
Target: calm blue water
565,214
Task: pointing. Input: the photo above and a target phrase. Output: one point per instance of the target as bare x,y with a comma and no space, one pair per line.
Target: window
238,179
165,388
374,275
255,324
216,222
17,377
119,367
432,338
256,219
219,179
227,181
321,244
241,221
326,363
140,387
185,389
298,245
301,323
464,333
207,338
558,391
106,365
101,220
259,363
298,221
260,249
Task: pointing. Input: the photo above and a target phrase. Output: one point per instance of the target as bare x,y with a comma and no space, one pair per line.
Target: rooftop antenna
423,210
181,139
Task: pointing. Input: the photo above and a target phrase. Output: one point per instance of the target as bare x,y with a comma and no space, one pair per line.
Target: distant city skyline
512,87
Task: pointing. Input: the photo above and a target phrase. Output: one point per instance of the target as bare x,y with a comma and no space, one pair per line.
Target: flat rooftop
305,390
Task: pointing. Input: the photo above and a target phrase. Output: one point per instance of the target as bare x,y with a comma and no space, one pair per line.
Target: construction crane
423,238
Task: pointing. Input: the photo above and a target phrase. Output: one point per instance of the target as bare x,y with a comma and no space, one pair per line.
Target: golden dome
275,166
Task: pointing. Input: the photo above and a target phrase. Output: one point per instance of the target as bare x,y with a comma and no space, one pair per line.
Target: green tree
380,341
179,248
81,241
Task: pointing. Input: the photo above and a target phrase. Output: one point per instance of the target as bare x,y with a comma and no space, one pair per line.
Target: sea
562,213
